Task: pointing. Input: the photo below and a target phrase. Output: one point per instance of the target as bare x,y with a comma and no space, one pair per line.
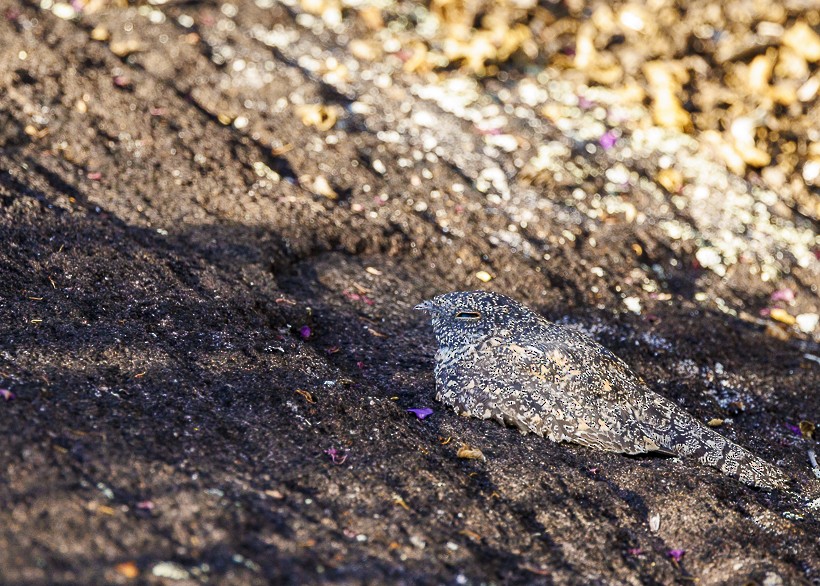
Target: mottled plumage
499,360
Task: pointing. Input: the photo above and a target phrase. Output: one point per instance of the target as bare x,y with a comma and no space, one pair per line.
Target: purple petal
335,457
676,554
421,413
794,429
608,139
304,331
6,394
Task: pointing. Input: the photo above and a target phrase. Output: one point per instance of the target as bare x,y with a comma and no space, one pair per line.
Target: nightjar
499,360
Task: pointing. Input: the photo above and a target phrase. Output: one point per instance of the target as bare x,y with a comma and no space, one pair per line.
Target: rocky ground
216,218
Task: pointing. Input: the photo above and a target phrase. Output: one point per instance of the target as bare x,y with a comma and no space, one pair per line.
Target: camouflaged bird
499,360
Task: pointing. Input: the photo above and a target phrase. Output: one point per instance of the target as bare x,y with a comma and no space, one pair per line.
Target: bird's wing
571,389
610,398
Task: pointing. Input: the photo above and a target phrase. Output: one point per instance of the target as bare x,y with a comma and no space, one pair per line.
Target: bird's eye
467,315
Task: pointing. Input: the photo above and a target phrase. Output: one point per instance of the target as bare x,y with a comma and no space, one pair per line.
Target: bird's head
465,317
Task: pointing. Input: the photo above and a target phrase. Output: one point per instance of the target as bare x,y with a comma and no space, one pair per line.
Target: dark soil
169,413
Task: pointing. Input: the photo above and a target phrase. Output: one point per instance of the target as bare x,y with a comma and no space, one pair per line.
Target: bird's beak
428,306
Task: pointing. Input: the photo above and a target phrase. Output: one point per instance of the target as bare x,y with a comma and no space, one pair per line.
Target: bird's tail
712,449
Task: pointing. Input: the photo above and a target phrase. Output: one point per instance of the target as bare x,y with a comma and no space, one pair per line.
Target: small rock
468,453
633,304
807,322
321,186
170,570
782,316
803,40
124,48
777,332
64,10
127,569
100,33
417,542
708,257
772,579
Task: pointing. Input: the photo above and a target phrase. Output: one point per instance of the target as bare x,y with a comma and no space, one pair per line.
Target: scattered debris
782,316
608,139
471,534
320,186
320,116
813,461
376,333
794,429
353,296
537,570
807,322
468,453
633,304
335,456
784,294
127,569
170,570
306,394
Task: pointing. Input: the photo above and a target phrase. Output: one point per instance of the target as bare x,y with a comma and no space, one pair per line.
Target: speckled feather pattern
499,360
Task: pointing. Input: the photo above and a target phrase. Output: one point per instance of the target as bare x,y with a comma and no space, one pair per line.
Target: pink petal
784,294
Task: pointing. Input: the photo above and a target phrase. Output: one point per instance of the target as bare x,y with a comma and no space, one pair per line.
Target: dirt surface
207,347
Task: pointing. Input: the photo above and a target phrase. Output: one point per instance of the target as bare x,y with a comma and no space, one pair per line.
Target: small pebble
807,322
170,570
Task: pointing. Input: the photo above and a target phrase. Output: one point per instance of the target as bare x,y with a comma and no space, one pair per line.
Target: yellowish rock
670,179
319,116
665,81
782,316
802,39
468,453
100,33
